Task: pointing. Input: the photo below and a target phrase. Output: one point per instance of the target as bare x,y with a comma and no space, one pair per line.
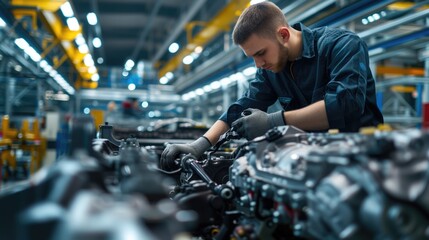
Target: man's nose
258,62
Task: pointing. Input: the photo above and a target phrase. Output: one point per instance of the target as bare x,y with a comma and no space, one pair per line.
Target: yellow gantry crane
220,23
63,37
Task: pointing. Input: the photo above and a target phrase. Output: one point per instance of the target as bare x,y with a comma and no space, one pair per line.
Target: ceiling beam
94,7
179,28
147,29
121,94
144,8
394,24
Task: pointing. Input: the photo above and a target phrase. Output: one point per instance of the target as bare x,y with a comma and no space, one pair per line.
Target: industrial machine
286,184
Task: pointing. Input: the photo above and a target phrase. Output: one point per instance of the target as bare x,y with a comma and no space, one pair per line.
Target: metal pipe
208,67
311,11
350,12
400,40
94,6
393,24
121,94
146,29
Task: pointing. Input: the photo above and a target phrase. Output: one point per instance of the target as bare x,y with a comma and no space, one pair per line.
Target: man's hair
262,19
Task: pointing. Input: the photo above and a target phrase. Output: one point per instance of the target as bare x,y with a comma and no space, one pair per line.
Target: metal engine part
340,186
286,184
89,195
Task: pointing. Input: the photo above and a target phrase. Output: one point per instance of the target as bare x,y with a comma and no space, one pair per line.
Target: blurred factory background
165,70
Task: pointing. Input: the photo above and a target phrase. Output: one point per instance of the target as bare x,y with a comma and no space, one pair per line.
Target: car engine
286,184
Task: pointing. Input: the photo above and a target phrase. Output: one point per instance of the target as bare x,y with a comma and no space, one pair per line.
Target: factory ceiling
138,29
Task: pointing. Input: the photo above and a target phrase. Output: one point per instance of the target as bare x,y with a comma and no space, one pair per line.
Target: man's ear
284,33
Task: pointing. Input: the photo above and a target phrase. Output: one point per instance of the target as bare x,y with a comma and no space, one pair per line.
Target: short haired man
320,76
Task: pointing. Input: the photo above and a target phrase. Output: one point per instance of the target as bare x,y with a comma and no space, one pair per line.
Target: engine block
286,184
333,186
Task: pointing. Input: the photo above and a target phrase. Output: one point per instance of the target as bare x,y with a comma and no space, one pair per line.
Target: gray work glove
172,151
255,122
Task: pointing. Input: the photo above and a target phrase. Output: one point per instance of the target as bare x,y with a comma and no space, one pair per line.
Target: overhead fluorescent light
95,77
96,42
236,77
92,18
33,54
21,43
2,23
129,64
88,61
47,68
198,49
199,91
131,86
53,72
256,1
192,94
79,39
173,47
207,88
67,10
215,85
163,80
70,90
83,48
43,63
225,81
186,97
92,69
249,71
73,24
188,60
169,75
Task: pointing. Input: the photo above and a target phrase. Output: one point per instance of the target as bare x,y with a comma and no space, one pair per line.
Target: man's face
269,54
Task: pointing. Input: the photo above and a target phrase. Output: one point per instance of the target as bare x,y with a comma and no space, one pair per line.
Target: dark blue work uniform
334,67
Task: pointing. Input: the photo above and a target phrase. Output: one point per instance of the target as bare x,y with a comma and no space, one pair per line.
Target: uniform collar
307,40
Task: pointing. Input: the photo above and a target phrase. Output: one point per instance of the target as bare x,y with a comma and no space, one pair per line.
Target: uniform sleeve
348,68
259,95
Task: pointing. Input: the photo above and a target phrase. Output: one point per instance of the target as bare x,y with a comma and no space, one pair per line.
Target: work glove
172,151
255,122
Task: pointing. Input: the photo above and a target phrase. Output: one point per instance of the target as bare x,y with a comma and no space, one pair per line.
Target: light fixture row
224,82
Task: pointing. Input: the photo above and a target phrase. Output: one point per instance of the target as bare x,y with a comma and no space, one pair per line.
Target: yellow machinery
5,154
98,116
27,140
8,155
220,23
32,141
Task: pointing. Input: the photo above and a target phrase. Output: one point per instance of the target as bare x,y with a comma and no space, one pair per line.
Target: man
130,108
321,77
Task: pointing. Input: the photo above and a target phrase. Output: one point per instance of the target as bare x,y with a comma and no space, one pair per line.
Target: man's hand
255,122
172,151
